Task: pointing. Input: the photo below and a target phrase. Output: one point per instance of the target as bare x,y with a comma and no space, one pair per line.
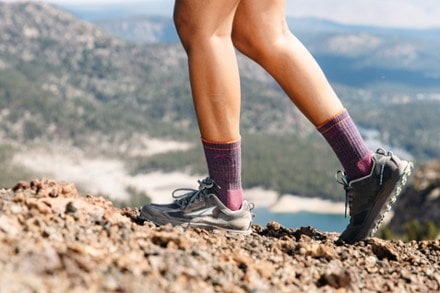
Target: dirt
54,240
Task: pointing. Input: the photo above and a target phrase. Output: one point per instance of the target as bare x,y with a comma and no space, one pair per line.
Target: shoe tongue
196,205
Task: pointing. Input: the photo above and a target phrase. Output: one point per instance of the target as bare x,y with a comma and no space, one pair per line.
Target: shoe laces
192,195
383,152
342,178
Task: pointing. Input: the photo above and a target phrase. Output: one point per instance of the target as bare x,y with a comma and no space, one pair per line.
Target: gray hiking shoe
371,197
200,208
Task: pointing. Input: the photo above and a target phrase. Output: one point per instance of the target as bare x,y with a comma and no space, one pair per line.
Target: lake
322,222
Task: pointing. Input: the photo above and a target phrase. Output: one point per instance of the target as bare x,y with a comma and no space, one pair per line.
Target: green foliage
136,199
6,153
386,233
287,164
411,125
10,174
31,130
191,159
421,231
290,164
413,230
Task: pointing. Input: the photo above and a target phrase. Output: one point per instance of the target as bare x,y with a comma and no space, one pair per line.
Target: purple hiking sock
347,143
224,166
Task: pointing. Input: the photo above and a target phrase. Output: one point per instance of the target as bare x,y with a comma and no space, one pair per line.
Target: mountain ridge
361,50
65,81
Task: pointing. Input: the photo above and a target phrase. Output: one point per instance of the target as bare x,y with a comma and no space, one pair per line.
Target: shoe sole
384,204
186,224
212,227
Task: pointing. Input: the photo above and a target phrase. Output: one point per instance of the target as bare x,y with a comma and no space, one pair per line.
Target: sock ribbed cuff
224,166
224,163
348,145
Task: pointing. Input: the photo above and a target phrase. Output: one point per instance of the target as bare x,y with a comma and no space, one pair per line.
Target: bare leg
261,33
205,29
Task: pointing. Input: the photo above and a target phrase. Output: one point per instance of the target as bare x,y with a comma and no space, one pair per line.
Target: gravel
54,240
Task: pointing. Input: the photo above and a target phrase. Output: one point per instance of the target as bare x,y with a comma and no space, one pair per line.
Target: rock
9,225
70,208
383,249
336,280
420,201
53,239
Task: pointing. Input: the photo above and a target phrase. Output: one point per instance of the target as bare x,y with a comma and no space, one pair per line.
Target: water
322,222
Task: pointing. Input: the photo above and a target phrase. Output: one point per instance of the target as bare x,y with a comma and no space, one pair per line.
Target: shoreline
288,203
110,177
294,204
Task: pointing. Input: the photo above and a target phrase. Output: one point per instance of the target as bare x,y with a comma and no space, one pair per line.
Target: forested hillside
65,80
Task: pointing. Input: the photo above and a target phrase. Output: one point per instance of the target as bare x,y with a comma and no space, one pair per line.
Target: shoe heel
395,194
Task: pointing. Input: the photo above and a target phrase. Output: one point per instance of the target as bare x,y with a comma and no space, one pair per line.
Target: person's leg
374,180
261,33
205,29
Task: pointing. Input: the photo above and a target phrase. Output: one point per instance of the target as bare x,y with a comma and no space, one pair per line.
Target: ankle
232,199
363,167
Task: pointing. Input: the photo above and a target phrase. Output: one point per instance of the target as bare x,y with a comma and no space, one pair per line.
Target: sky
389,13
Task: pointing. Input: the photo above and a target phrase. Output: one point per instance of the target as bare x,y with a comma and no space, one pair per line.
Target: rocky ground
421,200
54,240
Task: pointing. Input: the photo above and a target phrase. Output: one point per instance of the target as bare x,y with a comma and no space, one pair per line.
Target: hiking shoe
200,208
371,197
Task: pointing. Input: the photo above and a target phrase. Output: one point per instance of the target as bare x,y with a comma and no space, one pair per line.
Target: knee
192,30
258,42
199,34
250,44
243,42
